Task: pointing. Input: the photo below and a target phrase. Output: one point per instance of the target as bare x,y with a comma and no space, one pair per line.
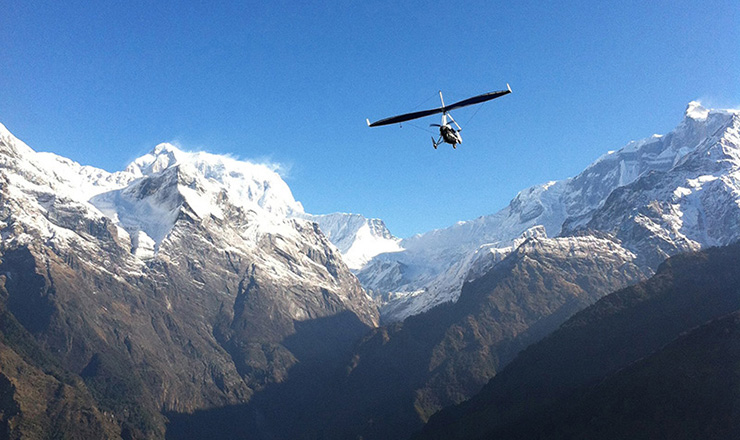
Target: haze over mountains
193,288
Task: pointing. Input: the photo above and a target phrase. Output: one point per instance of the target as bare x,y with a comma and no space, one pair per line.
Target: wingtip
368,121
508,87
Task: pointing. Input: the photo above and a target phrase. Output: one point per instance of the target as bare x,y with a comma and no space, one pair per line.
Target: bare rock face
177,285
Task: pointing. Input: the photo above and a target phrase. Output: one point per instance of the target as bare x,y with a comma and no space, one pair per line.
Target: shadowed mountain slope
578,370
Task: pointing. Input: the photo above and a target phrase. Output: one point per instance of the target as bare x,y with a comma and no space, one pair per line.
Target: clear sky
103,82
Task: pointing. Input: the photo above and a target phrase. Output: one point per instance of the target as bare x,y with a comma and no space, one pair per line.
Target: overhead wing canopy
420,114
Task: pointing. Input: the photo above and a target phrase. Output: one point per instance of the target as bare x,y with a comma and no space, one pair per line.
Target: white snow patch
367,245
681,192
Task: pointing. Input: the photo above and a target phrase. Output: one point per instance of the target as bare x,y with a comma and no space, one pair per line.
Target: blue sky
104,82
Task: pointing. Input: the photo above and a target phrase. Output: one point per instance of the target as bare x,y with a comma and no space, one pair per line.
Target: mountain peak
359,239
160,158
9,144
248,183
166,147
696,111
4,130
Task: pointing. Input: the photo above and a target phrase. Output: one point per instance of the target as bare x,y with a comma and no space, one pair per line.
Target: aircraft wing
478,99
420,114
405,117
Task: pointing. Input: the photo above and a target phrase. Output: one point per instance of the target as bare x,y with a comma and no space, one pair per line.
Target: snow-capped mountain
193,268
147,200
359,239
699,154
167,180
694,204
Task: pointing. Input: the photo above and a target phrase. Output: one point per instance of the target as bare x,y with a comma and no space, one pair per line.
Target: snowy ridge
46,195
247,185
171,207
146,199
433,266
47,170
168,181
694,204
358,239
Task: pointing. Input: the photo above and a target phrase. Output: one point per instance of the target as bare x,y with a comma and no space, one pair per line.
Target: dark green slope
555,380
